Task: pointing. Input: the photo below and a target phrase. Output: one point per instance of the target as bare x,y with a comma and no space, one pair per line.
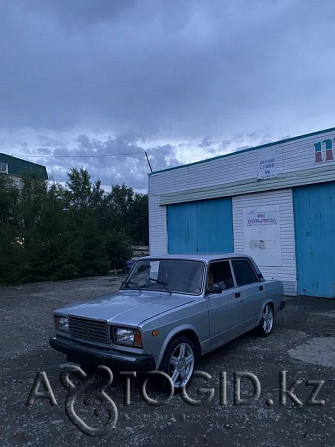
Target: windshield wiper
164,284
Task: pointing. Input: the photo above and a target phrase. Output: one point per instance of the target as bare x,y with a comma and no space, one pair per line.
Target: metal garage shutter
200,227
314,220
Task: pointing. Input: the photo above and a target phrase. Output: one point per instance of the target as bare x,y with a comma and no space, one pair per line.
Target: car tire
266,324
179,361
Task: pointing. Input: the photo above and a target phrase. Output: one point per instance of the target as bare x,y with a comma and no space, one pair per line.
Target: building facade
15,167
275,202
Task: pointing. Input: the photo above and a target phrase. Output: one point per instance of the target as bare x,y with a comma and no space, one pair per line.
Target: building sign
323,151
262,235
264,218
267,163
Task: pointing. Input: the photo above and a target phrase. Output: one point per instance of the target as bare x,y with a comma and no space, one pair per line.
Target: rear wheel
266,323
179,360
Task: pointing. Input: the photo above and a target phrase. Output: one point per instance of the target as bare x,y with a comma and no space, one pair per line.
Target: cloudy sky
95,83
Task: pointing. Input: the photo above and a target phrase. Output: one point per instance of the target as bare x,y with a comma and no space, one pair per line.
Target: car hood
127,307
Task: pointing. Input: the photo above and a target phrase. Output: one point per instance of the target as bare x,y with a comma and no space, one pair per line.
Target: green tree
11,250
55,232
140,219
129,213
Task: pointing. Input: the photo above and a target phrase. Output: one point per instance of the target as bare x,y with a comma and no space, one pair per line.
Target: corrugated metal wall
314,214
295,155
157,226
292,156
200,227
295,159
283,198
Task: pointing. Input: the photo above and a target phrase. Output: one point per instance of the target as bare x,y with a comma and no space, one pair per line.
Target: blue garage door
200,227
314,220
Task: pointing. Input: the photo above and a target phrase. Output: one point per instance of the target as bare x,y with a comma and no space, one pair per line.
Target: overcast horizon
94,84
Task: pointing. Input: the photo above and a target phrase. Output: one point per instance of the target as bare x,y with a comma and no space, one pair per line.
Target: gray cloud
213,76
112,160
164,67
78,14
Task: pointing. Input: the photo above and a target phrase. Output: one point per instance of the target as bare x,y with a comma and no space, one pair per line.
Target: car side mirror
215,288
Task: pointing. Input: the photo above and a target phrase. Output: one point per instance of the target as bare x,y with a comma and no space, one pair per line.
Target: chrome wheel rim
181,365
267,319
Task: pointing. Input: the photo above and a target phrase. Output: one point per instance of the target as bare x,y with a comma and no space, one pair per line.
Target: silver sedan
169,311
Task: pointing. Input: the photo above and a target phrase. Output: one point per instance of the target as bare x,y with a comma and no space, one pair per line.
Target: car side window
244,272
221,273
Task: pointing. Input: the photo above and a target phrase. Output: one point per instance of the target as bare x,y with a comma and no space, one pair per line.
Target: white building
275,202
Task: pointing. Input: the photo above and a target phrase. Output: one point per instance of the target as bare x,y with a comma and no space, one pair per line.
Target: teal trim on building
287,140
314,221
200,227
16,166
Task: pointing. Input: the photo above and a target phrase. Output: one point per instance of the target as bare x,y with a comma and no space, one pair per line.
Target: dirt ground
302,344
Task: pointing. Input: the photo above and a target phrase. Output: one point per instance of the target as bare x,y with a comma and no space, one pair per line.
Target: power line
77,156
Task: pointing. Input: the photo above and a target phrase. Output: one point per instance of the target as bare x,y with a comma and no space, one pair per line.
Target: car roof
200,256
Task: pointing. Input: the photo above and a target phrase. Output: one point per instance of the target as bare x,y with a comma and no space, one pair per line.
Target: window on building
244,272
3,167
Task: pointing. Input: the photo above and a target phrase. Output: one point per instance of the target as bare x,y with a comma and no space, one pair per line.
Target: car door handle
261,287
237,294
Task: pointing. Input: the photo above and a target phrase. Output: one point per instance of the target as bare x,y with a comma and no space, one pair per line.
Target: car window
167,275
221,274
244,272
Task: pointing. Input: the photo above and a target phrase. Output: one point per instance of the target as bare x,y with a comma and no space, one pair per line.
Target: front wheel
266,323
179,360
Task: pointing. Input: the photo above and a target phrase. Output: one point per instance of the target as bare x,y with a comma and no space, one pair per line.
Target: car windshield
167,275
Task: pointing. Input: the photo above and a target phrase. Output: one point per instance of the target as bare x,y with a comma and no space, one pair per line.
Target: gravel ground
302,343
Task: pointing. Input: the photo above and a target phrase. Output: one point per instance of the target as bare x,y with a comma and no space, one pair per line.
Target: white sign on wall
262,235
267,163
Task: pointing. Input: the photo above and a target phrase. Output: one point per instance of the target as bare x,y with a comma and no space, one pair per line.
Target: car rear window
244,272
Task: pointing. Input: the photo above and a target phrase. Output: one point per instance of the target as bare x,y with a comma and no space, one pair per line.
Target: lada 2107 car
169,311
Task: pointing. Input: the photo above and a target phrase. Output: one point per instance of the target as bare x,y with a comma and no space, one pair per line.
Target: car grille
93,330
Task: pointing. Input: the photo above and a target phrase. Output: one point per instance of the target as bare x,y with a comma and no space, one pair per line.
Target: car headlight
127,336
62,323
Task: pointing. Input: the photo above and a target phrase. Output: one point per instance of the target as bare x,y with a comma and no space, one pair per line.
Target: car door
251,289
225,308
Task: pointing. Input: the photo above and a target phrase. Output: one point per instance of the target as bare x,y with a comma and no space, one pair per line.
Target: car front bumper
90,356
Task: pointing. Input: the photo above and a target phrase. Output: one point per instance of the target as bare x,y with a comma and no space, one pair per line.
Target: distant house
15,167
